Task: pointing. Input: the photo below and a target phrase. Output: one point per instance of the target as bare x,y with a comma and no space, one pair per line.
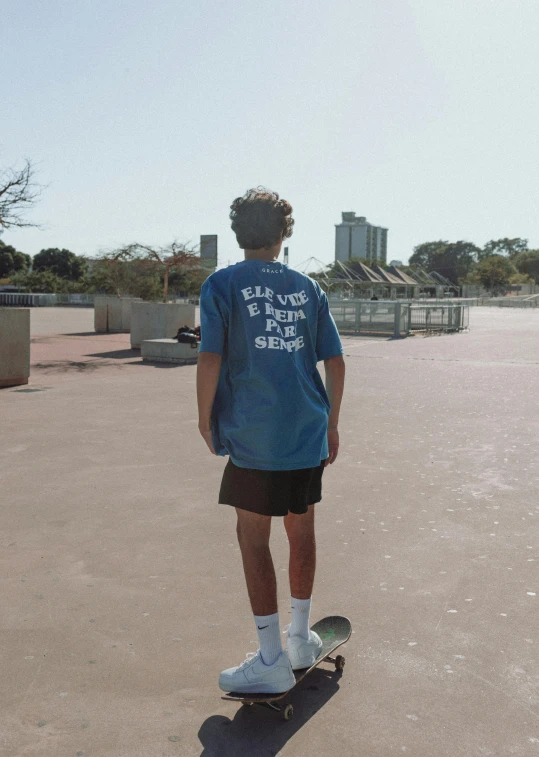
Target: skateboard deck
334,631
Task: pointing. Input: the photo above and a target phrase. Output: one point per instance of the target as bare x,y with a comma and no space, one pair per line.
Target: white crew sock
301,609
269,637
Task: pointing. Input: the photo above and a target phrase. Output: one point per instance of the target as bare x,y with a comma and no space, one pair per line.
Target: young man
262,402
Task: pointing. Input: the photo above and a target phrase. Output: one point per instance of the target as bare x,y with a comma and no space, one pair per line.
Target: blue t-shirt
271,325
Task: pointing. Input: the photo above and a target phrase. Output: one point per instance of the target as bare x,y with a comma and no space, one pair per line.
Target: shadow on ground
51,367
96,334
157,364
258,730
137,358
116,354
71,366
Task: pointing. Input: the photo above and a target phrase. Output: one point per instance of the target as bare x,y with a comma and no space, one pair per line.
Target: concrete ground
122,588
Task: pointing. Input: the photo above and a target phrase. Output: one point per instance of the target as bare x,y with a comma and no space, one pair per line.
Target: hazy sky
147,119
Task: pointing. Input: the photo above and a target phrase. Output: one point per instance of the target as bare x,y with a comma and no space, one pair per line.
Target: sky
145,120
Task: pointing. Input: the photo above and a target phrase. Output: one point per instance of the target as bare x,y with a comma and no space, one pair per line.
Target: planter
158,320
113,314
14,346
168,351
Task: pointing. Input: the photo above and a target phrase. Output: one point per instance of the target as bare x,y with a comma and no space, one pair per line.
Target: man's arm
335,370
208,369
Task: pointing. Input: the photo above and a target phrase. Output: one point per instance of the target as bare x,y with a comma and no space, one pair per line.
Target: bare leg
302,566
253,536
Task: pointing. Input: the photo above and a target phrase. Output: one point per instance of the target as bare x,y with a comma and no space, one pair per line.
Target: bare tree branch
18,193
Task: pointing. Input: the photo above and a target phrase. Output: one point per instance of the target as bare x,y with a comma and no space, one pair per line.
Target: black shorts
271,492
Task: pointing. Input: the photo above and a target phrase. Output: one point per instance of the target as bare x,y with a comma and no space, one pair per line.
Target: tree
495,273
472,277
41,281
424,253
189,281
112,277
520,278
155,262
11,260
131,277
528,263
454,260
508,247
18,193
62,263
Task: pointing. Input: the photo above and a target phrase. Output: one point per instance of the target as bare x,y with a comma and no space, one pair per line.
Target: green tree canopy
189,281
11,260
41,282
62,263
495,273
454,260
528,262
424,253
112,277
134,277
148,266
508,247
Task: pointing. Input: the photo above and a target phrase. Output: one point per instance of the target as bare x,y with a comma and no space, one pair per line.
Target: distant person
374,297
261,401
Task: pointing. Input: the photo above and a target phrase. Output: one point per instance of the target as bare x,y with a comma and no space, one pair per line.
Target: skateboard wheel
288,712
339,662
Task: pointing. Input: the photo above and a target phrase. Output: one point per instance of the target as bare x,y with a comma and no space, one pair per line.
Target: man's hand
206,434
333,445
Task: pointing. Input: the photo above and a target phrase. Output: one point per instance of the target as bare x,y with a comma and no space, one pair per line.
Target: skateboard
334,631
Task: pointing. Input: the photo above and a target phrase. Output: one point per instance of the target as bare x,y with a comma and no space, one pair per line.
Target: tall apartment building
355,237
208,251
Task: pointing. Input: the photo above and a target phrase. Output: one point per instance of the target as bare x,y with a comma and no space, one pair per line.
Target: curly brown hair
259,218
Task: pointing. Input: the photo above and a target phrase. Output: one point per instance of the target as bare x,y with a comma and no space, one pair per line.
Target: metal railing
31,300
397,318
366,317
438,318
529,301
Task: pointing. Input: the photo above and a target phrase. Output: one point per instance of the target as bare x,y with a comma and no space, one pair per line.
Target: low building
354,280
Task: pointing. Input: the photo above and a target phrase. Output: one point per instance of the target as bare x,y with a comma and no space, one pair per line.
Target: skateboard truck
287,710
333,631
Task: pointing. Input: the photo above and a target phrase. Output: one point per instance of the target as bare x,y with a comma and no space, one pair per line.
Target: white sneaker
253,676
302,652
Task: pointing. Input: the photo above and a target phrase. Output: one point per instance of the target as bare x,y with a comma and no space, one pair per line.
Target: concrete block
113,314
14,346
168,351
158,320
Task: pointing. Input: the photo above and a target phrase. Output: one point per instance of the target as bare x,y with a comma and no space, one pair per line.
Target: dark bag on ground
186,335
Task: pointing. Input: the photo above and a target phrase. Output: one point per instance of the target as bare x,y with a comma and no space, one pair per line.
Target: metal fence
31,300
530,301
366,317
442,318
397,318
14,300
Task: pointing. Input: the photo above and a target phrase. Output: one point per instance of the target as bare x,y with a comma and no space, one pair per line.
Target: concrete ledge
113,314
158,320
168,351
15,381
14,346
